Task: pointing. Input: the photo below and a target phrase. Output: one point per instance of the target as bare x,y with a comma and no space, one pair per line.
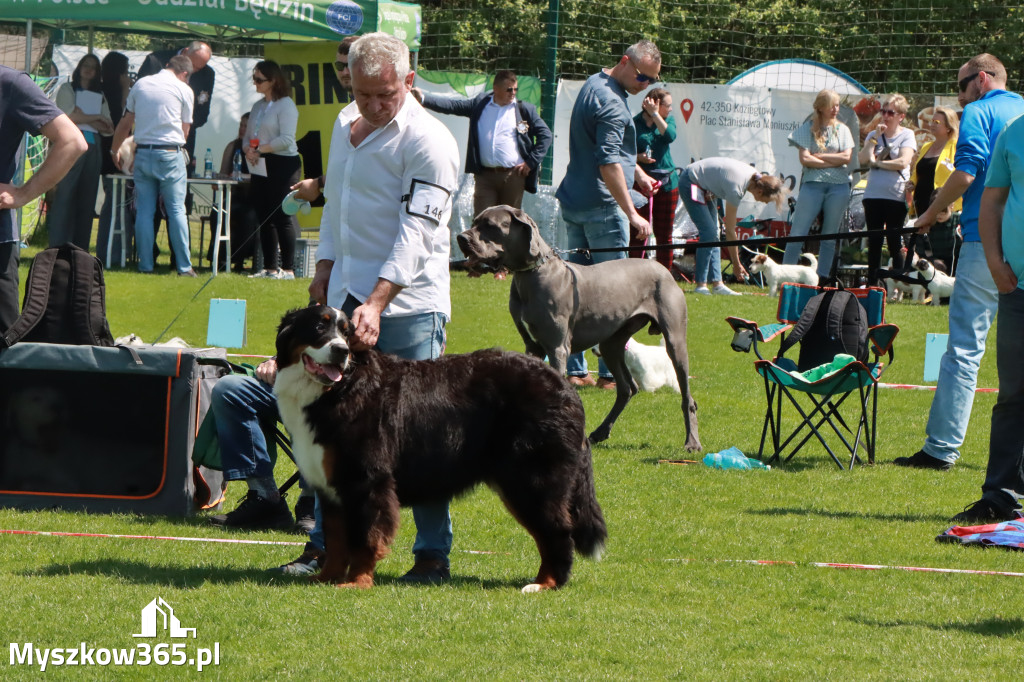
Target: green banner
255,19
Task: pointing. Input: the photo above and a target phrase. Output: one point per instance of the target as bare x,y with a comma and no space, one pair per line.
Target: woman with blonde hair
934,162
826,148
888,151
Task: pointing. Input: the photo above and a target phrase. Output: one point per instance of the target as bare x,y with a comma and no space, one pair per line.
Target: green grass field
672,598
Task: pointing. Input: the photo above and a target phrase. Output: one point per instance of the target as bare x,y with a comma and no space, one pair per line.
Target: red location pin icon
686,106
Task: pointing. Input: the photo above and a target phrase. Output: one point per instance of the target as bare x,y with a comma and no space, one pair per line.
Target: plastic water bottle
208,165
236,165
732,458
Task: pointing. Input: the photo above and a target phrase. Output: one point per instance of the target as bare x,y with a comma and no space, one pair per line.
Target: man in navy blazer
507,140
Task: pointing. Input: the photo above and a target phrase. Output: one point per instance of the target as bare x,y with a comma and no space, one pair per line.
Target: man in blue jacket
972,307
507,140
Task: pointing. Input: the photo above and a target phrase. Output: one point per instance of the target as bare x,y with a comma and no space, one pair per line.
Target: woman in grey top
700,185
826,147
888,151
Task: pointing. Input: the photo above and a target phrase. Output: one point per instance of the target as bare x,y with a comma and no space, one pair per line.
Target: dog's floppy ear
285,331
521,219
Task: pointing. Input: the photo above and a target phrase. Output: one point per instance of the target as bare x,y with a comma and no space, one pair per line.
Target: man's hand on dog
267,371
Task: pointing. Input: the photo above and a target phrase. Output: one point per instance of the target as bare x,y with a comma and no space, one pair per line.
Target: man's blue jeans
1004,478
597,228
242,406
160,173
972,308
705,218
414,337
815,197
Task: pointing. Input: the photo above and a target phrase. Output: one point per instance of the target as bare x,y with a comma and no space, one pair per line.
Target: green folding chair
821,394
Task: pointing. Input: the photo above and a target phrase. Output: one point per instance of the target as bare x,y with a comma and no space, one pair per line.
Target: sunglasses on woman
889,112
258,81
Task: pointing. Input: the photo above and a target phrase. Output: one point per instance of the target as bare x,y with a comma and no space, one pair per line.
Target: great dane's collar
550,254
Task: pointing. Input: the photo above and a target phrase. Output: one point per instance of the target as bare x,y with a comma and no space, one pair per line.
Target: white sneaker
704,291
264,274
723,290
285,274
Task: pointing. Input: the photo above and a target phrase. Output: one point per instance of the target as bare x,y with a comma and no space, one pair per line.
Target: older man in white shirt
384,243
160,108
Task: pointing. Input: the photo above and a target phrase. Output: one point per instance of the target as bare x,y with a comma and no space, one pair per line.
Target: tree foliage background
910,46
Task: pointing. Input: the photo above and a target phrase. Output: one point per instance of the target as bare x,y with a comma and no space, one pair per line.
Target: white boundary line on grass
231,541
862,567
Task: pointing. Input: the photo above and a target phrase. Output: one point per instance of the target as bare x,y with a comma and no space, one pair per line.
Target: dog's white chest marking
295,391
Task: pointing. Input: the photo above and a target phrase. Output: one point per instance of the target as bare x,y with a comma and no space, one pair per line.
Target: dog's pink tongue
332,372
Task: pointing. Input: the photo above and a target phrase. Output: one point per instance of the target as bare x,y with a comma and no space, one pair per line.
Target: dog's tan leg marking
337,561
360,572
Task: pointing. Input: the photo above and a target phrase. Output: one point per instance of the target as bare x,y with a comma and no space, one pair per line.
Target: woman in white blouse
272,150
888,151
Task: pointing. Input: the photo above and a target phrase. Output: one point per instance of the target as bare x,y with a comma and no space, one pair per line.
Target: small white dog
940,285
776,274
897,289
650,366
127,153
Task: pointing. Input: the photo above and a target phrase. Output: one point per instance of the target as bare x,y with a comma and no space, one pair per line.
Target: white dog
650,366
940,285
127,152
776,274
897,289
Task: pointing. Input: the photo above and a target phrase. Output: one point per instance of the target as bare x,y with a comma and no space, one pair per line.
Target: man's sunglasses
640,76
340,66
964,82
511,89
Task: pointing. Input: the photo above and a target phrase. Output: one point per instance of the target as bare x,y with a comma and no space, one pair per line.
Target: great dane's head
503,236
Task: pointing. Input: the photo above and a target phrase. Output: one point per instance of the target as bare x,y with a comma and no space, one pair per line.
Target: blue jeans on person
597,228
705,218
833,198
1004,476
972,308
161,173
413,337
243,406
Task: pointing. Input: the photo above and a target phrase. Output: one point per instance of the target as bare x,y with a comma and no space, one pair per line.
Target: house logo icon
157,613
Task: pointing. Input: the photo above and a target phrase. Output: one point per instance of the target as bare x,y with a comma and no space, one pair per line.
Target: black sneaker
256,513
983,511
922,460
309,562
304,518
428,571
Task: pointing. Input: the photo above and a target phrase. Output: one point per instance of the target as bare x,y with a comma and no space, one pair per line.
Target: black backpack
65,301
831,323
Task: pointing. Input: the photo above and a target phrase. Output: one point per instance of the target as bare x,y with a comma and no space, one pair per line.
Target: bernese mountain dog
372,432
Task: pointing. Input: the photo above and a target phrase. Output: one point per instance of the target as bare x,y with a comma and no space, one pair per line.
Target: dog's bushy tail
588,529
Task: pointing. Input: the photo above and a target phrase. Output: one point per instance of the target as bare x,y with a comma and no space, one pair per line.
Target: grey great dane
561,308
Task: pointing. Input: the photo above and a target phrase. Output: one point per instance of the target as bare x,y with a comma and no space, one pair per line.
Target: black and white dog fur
372,432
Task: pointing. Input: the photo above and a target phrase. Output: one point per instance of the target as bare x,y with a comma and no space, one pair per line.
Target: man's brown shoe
605,383
586,380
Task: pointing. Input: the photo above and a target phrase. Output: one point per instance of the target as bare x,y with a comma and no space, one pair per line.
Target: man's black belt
160,147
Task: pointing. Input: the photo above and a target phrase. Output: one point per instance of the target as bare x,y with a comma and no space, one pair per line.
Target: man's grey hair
179,63
642,49
197,46
373,52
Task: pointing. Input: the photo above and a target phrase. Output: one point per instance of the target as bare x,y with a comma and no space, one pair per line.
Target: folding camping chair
818,394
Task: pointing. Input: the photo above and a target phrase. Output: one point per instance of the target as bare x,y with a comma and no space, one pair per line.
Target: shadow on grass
801,511
990,627
193,577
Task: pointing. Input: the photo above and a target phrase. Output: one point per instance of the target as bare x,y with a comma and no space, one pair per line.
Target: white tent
799,75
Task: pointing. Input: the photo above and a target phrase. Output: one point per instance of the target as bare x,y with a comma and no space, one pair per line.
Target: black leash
760,241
